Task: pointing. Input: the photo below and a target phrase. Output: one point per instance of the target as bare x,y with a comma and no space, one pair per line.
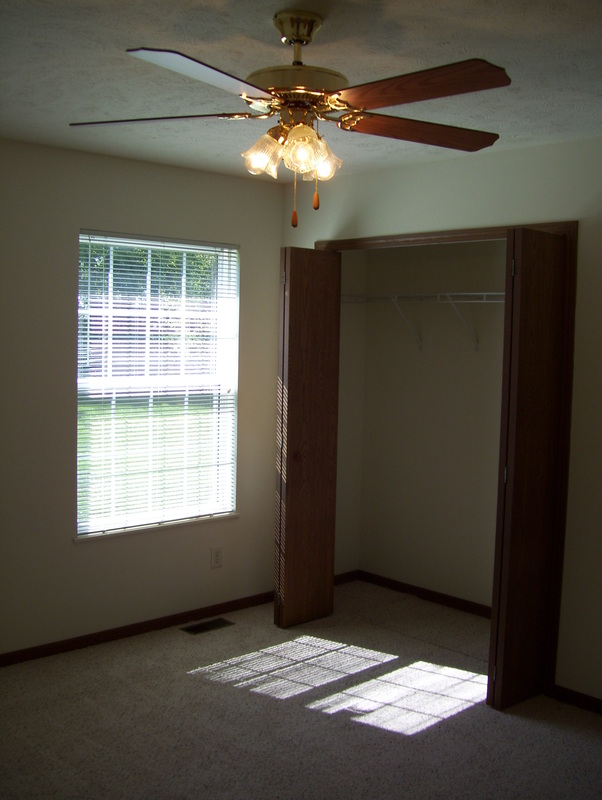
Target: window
156,382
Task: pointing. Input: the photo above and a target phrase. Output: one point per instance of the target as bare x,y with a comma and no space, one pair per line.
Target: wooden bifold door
307,434
533,472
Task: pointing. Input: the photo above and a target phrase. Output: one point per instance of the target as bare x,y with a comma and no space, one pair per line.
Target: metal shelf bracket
471,333
413,330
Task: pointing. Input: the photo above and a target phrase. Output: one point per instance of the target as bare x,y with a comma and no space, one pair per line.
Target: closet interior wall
419,415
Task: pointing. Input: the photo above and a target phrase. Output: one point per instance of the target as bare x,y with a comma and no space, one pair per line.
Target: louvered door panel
308,384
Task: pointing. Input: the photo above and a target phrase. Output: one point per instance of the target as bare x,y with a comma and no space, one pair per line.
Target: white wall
52,588
539,184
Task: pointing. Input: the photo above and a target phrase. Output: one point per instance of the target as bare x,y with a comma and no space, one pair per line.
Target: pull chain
316,202
294,220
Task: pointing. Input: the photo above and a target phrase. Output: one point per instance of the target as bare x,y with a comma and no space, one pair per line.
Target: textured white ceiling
64,61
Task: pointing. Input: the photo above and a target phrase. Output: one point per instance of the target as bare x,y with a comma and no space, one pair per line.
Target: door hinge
494,673
284,278
513,267
505,474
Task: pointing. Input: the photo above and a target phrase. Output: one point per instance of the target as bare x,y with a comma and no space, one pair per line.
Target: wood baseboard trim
346,577
427,594
584,701
101,637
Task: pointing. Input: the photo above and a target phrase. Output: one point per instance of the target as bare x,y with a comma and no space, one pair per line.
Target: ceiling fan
299,95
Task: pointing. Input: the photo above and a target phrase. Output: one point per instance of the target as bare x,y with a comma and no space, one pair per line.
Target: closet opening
420,389
435,499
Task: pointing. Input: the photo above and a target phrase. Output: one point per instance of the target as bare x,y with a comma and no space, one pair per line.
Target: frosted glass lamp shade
303,149
326,168
263,156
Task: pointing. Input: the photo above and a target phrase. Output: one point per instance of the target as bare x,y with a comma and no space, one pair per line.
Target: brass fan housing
290,81
289,77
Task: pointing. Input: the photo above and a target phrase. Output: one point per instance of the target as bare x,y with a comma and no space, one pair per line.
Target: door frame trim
569,228
570,231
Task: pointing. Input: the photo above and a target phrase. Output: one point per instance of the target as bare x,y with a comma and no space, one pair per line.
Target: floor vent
208,625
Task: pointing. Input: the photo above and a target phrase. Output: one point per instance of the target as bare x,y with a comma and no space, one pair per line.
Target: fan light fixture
301,149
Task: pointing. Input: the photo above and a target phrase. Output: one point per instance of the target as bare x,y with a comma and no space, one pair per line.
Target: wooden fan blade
185,65
412,130
464,76
168,119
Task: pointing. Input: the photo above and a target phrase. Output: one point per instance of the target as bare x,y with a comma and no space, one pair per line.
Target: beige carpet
384,699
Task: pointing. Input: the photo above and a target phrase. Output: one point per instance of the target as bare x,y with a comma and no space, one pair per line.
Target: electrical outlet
216,557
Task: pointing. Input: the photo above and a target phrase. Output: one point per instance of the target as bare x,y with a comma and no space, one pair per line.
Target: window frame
225,273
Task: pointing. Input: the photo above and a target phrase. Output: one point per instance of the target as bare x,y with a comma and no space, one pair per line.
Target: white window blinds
157,382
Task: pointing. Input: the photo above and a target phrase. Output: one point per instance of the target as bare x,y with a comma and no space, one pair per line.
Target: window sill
158,526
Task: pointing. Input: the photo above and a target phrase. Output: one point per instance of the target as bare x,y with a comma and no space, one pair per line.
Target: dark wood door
308,388
533,463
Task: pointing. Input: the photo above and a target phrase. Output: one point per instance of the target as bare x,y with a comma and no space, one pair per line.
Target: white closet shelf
437,297
454,299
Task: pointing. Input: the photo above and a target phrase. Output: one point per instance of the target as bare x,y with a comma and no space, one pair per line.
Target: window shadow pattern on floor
405,700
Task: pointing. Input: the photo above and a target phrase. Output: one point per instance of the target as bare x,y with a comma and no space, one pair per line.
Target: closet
529,483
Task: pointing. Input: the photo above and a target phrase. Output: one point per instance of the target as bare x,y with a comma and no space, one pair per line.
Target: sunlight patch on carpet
294,667
410,699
